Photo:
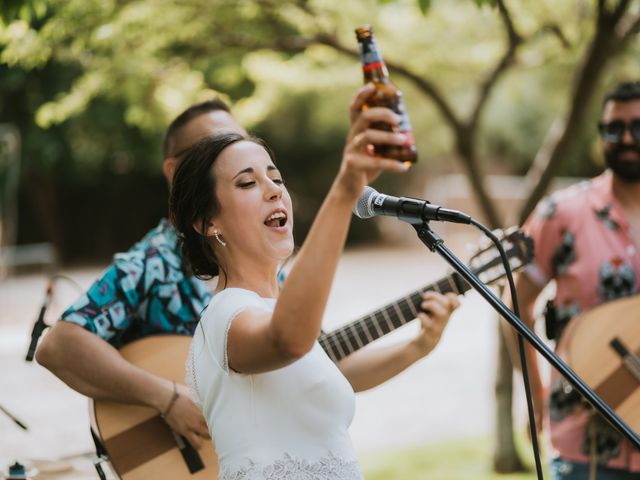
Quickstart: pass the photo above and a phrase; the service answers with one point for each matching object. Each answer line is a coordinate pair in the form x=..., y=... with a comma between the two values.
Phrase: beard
x=626, y=170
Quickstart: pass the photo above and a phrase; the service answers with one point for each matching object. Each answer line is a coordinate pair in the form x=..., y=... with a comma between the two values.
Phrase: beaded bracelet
x=172, y=402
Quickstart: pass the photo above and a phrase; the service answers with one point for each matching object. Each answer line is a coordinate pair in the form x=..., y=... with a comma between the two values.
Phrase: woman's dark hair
x=193, y=199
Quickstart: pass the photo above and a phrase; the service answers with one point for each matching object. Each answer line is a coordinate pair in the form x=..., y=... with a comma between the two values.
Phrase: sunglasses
x=613, y=132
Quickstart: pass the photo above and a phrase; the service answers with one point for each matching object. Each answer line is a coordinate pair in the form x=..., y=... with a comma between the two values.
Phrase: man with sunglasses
x=587, y=239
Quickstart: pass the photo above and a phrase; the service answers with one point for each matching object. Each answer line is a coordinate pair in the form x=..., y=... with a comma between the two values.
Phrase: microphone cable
x=523, y=360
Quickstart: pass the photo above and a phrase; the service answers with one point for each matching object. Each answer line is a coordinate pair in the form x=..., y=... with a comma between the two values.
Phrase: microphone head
x=364, y=205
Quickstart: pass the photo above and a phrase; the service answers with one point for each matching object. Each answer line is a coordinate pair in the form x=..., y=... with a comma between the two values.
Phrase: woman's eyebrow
x=246, y=170
x=251, y=170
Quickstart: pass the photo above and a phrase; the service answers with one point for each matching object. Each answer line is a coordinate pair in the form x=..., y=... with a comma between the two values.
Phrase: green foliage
x=424, y=5
x=91, y=84
x=25, y=10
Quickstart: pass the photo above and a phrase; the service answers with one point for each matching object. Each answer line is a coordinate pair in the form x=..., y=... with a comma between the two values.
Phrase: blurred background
x=503, y=95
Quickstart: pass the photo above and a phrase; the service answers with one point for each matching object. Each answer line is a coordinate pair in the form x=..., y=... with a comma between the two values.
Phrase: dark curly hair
x=623, y=92
x=193, y=199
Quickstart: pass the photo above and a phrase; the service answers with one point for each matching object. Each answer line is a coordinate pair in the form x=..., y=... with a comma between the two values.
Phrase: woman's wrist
x=344, y=192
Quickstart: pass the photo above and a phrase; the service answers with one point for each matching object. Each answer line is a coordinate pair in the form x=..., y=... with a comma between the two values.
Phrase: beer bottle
x=386, y=95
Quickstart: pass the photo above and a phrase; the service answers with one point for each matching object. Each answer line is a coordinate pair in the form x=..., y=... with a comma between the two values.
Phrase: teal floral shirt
x=145, y=291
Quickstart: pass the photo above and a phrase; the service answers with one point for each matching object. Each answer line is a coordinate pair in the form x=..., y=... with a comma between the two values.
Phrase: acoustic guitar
x=603, y=347
x=141, y=446
x=139, y=443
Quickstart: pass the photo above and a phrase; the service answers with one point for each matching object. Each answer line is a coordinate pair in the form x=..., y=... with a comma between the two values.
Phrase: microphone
x=39, y=326
x=410, y=210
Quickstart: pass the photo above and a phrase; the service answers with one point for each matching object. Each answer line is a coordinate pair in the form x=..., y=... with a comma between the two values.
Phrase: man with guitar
x=148, y=290
x=587, y=239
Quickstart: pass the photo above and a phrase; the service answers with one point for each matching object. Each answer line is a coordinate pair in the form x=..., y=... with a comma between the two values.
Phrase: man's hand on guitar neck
x=184, y=416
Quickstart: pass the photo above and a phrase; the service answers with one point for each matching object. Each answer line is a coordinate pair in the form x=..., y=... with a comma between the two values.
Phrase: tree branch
x=555, y=29
x=602, y=11
x=514, y=40
x=631, y=32
x=514, y=37
x=619, y=11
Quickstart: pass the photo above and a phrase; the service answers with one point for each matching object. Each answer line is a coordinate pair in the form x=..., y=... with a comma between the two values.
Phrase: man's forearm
x=94, y=368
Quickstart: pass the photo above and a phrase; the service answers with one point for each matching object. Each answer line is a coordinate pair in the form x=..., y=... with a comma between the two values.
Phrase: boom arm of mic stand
x=436, y=244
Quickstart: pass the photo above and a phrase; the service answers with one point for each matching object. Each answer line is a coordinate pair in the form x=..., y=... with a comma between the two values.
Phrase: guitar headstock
x=486, y=262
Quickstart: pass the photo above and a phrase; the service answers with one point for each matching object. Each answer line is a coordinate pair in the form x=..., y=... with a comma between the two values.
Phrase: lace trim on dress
x=330, y=467
x=190, y=376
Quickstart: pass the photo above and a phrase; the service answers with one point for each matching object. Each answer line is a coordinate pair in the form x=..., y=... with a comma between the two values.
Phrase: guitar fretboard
x=347, y=339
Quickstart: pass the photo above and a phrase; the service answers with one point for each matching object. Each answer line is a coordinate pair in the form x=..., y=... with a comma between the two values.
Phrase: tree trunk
x=564, y=137
x=505, y=454
x=475, y=176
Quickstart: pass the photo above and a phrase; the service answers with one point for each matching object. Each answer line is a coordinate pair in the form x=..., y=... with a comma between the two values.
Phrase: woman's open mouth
x=277, y=219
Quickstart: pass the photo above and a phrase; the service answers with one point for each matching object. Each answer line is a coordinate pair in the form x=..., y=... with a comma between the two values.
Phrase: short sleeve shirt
x=582, y=240
x=146, y=290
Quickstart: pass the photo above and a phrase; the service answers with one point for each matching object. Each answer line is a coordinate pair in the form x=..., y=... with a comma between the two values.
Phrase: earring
x=216, y=234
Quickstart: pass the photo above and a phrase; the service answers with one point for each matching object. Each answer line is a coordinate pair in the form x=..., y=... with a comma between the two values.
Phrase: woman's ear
x=206, y=229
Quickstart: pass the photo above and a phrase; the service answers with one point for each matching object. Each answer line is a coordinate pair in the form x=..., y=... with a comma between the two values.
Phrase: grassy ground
x=456, y=460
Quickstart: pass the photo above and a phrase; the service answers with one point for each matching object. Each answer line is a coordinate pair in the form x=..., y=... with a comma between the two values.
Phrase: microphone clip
x=39, y=326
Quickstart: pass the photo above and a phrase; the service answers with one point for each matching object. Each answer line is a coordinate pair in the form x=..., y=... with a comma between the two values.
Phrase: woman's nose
x=274, y=191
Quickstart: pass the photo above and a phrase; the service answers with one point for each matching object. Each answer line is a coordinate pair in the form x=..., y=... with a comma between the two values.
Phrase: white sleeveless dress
x=289, y=423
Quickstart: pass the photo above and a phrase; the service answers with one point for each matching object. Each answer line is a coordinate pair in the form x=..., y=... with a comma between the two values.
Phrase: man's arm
x=93, y=367
x=96, y=369
x=77, y=351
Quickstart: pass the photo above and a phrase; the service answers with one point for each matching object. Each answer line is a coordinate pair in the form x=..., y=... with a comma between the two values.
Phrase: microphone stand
x=14, y=419
x=436, y=244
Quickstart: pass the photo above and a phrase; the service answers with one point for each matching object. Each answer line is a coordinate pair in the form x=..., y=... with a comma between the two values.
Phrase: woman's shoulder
x=230, y=301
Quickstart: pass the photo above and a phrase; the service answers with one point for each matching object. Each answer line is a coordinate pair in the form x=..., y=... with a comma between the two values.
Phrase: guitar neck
x=353, y=336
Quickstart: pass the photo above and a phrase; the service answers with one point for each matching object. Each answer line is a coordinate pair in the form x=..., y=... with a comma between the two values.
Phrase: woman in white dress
x=277, y=407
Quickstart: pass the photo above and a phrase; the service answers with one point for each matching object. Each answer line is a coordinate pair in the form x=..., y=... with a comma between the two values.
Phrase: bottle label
x=404, y=126
x=370, y=55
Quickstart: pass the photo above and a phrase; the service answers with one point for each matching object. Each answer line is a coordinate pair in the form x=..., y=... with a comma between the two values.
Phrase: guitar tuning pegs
x=484, y=242
x=498, y=232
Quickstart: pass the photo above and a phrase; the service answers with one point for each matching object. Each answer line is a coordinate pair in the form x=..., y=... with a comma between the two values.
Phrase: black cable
x=40, y=325
x=523, y=360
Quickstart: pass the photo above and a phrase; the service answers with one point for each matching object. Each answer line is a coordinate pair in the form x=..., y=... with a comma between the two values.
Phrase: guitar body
x=138, y=441
x=586, y=347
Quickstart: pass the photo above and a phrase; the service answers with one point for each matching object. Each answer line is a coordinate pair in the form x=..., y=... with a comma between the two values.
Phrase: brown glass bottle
x=386, y=95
